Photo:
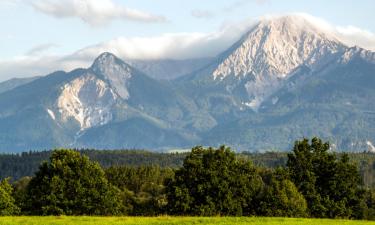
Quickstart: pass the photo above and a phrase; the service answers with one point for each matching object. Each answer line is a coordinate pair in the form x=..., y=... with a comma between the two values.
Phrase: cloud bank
x=93, y=12
x=39, y=49
x=165, y=46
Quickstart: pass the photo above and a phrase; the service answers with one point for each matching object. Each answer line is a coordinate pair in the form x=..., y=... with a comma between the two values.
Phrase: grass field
x=82, y=220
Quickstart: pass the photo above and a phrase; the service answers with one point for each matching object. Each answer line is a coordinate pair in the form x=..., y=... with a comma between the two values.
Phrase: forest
x=309, y=181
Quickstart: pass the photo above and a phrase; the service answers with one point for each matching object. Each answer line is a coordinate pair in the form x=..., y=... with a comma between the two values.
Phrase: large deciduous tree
x=214, y=182
x=331, y=185
x=71, y=184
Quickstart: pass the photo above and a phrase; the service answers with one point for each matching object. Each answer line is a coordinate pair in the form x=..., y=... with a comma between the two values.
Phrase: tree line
x=313, y=182
x=24, y=164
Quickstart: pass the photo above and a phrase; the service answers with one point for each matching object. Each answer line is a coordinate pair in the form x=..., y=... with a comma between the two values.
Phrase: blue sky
x=39, y=36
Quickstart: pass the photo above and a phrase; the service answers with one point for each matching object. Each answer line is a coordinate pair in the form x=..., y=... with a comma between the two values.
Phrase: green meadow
x=83, y=220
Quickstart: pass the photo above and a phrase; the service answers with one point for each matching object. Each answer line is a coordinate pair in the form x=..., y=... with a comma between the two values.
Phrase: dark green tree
x=331, y=186
x=369, y=211
x=214, y=182
x=7, y=202
x=280, y=196
x=143, y=188
x=19, y=193
x=71, y=184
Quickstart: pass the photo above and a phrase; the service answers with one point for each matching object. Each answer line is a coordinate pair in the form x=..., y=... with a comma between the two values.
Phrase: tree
x=281, y=197
x=20, y=188
x=369, y=211
x=71, y=184
x=213, y=182
x=7, y=202
x=143, y=188
x=331, y=186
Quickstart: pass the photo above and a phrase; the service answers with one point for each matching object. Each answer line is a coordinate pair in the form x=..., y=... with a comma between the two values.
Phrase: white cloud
x=39, y=49
x=93, y=12
x=172, y=45
x=349, y=35
x=352, y=35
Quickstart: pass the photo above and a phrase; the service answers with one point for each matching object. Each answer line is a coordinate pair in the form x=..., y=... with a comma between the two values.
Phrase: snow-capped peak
x=277, y=46
x=271, y=50
x=115, y=71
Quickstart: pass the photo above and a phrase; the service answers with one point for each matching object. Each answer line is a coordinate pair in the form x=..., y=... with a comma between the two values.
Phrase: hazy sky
x=40, y=36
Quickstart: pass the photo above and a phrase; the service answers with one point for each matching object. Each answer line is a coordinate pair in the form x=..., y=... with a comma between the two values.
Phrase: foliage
x=143, y=187
x=309, y=181
x=20, y=191
x=330, y=185
x=7, y=202
x=27, y=163
x=213, y=182
x=17, y=166
x=70, y=184
x=281, y=197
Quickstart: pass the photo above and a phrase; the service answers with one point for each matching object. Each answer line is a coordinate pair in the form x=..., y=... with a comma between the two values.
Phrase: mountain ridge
x=283, y=80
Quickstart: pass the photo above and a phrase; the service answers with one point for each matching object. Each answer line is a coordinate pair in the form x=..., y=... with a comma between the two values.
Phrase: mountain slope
x=260, y=62
x=15, y=82
x=59, y=109
x=284, y=79
x=168, y=69
x=332, y=103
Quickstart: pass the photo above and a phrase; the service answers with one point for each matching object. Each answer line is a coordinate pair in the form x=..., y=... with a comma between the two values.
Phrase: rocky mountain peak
x=115, y=71
x=268, y=54
x=104, y=59
x=276, y=46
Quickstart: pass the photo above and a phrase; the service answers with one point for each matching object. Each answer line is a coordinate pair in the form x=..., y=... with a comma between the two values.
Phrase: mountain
x=283, y=80
x=15, y=82
x=65, y=109
x=259, y=63
x=333, y=103
x=169, y=69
